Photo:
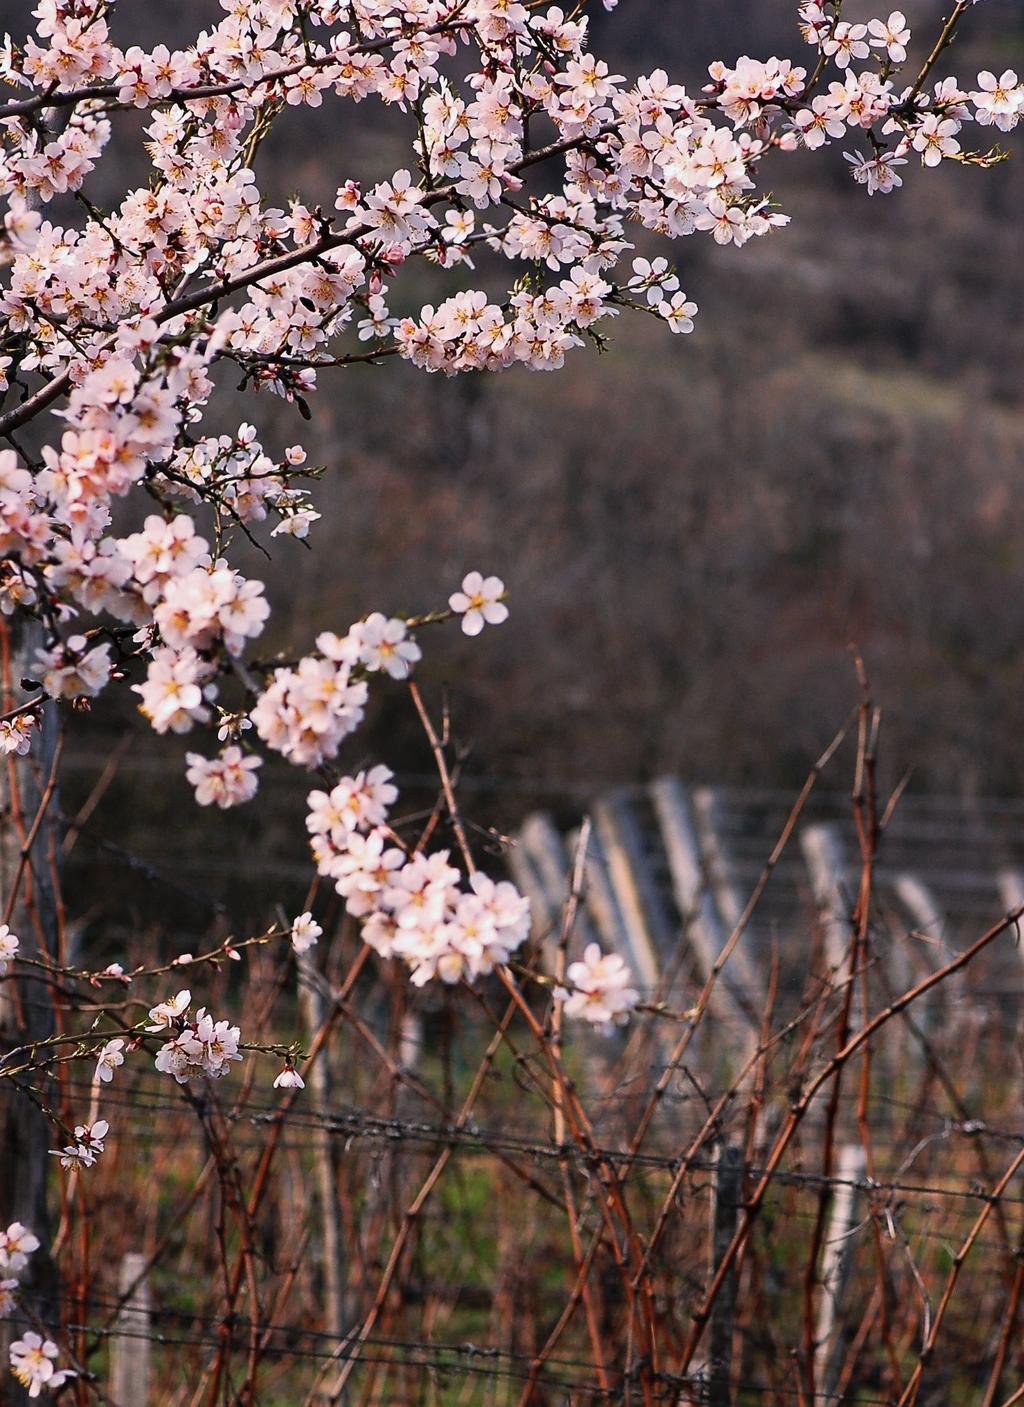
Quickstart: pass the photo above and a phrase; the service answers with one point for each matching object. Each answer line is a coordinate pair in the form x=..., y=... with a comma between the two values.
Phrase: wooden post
x=919, y=901
x=129, y=1343
x=313, y=1006
x=1011, y=894
x=545, y=908
x=602, y=905
x=26, y=1008
x=704, y=929
x=541, y=841
x=836, y=1269
x=706, y=808
x=823, y=851
x=541, y=863
x=410, y=1045
x=725, y=1209
x=927, y=917
x=647, y=930
x=1011, y=888
x=553, y=861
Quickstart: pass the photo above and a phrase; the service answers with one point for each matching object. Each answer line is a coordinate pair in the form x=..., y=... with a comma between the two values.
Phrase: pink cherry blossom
x=479, y=602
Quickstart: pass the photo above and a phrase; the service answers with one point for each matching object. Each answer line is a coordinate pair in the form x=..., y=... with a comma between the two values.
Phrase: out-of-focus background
x=695, y=530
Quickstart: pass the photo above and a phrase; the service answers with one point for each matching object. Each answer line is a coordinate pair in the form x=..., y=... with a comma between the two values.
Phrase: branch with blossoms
x=411, y=904
x=124, y=345
x=120, y=524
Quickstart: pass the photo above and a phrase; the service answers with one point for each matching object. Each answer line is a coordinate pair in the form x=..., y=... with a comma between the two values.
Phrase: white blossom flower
x=999, y=101
x=32, y=1363
x=9, y=945
x=74, y=1156
x=167, y=1013
x=295, y=522
x=289, y=1078
x=846, y=43
x=935, y=139
x=226, y=780
x=892, y=35
x=16, y=1245
x=678, y=312
x=108, y=1060
x=16, y=734
x=479, y=602
x=599, y=989
x=232, y=725
x=814, y=23
x=878, y=173
x=385, y=644
x=91, y=1136
x=305, y=931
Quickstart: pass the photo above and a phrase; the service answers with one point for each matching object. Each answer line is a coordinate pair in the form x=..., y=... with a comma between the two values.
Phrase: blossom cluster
x=911, y=118
x=307, y=711
x=33, y=1359
x=598, y=988
x=122, y=320
x=119, y=323
x=644, y=150
x=415, y=907
x=199, y=1047
x=421, y=909
x=87, y=1143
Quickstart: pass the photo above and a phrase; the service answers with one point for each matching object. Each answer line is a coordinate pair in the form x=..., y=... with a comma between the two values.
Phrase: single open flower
x=479, y=602
x=289, y=1078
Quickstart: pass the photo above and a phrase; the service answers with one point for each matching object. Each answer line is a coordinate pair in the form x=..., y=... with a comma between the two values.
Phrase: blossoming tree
x=529, y=161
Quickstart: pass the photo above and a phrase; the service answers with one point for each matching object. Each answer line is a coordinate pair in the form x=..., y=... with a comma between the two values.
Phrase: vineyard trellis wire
x=930, y=1180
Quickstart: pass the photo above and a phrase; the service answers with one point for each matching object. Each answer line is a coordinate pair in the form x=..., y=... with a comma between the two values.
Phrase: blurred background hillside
x=696, y=530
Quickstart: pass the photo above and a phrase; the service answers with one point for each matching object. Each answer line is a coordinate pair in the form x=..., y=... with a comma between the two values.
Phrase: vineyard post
x=314, y=1014
x=28, y=903
x=725, y=1206
x=129, y=1344
x=836, y=1269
